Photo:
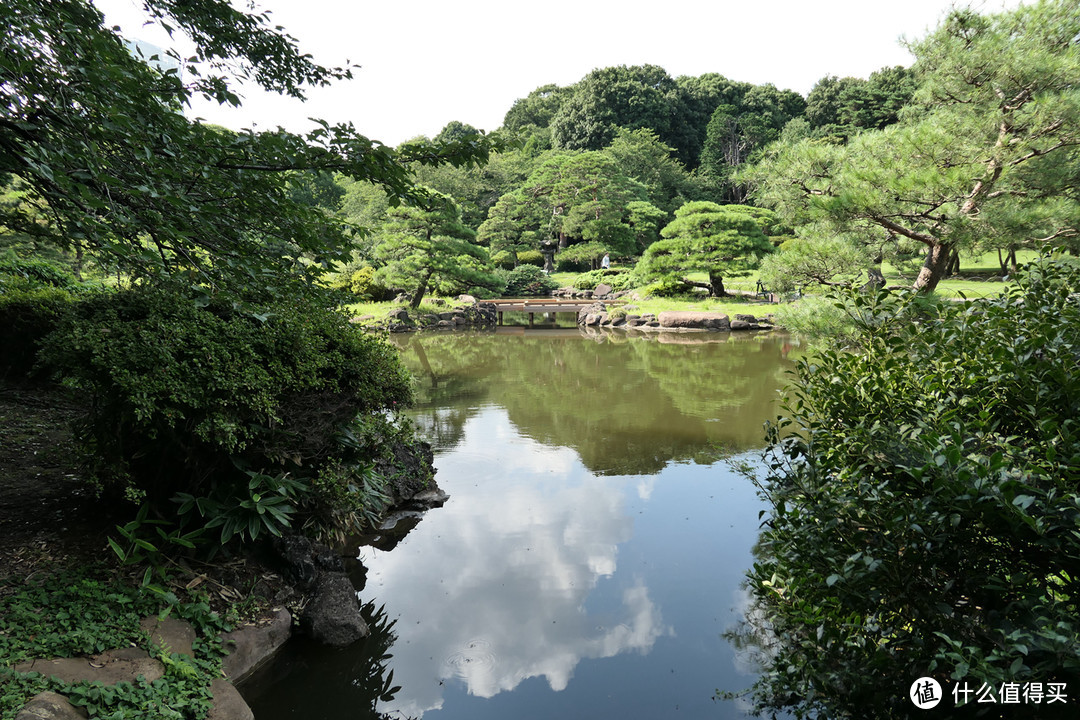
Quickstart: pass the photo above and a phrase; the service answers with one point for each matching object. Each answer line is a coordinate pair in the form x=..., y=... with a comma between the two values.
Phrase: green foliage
x=111, y=166
x=429, y=246
x=27, y=316
x=925, y=512
x=802, y=262
x=184, y=384
x=975, y=161
x=68, y=614
x=706, y=237
x=618, y=279
x=363, y=284
x=266, y=506
x=817, y=317
x=35, y=272
x=88, y=616
x=527, y=281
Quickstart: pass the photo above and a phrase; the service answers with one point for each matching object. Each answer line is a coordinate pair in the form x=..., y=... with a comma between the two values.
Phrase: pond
x=591, y=554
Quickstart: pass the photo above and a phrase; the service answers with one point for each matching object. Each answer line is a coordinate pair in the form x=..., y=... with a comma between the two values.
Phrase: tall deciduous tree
x=96, y=136
x=705, y=237
x=992, y=142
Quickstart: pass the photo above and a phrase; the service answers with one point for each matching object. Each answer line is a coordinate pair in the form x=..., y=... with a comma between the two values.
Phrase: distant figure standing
x=605, y=263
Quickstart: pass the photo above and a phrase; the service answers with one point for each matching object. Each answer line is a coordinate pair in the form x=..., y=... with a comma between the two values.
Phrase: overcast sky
x=427, y=62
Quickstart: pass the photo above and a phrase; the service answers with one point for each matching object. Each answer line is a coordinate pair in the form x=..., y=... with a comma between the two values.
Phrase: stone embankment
x=467, y=313
x=599, y=315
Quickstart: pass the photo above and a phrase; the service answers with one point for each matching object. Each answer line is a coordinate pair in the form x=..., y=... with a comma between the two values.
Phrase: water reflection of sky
x=582, y=594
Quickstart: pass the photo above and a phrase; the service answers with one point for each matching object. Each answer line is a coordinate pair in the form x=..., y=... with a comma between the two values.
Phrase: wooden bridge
x=540, y=305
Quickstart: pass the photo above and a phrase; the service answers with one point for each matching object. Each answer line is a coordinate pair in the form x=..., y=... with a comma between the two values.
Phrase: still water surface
x=591, y=554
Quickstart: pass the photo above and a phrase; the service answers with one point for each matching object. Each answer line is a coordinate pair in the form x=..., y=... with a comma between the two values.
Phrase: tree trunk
x=563, y=242
x=716, y=285
x=937, y=259
x=953, y=268
x=1012, y=261
x=421, y=288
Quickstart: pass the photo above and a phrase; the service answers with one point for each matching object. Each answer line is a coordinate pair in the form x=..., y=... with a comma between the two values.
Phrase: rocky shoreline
x=609, y=311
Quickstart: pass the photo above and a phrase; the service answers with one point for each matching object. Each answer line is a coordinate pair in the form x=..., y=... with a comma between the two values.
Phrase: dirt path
x=47, y=512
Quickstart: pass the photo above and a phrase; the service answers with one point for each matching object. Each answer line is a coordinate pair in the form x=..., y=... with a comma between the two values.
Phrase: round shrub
x=527, y=281
x=531, y=257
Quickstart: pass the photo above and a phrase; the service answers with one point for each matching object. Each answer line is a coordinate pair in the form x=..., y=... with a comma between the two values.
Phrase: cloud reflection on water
x=494, y=590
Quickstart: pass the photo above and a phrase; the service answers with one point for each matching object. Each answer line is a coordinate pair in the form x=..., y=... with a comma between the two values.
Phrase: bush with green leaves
x=36, y=272
x=925, y=495
x=618, y=279
x=527, y=281
x=197, y=395
x=27, y=315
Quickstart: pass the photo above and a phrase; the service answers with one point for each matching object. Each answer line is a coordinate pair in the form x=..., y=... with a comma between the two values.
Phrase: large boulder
x=250, y=645
x=333, y=615
x=601, y=290
x=690, y=320
x=50, y=706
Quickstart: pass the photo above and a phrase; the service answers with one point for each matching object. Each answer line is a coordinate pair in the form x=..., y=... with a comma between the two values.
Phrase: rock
x=333, y=615
x=673, y=319
x=742, y=325
x=466, y=299
x=430, y=498
x=399, y=314
x=592, y=319
x=228, y=704
x=250, y=645
x=601, y=290
x=50, y=706
x=746, y=318
x=302, y=559
x=108, y=668
x=174, y=635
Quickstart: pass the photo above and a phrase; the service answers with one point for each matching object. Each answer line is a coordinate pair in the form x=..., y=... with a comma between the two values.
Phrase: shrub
x=925, y=504
x=35, y=271
x=528, y=280
x=192, y=394
x=618, y=279
x=27, y=316
x=502, y=260
x=531, y=257
x=362, y=284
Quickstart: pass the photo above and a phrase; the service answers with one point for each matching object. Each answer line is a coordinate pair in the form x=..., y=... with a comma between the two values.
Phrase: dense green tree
x=456, y=131
x=698, y=99
x=640, y=96
x=426, y=246
x=710, y=238
x=736, y=134
x=95, y=135
x=990, y=144
x=642, y=156
x=876, y=103
x=825, y=102
x=568, y=198
x=536, y=109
